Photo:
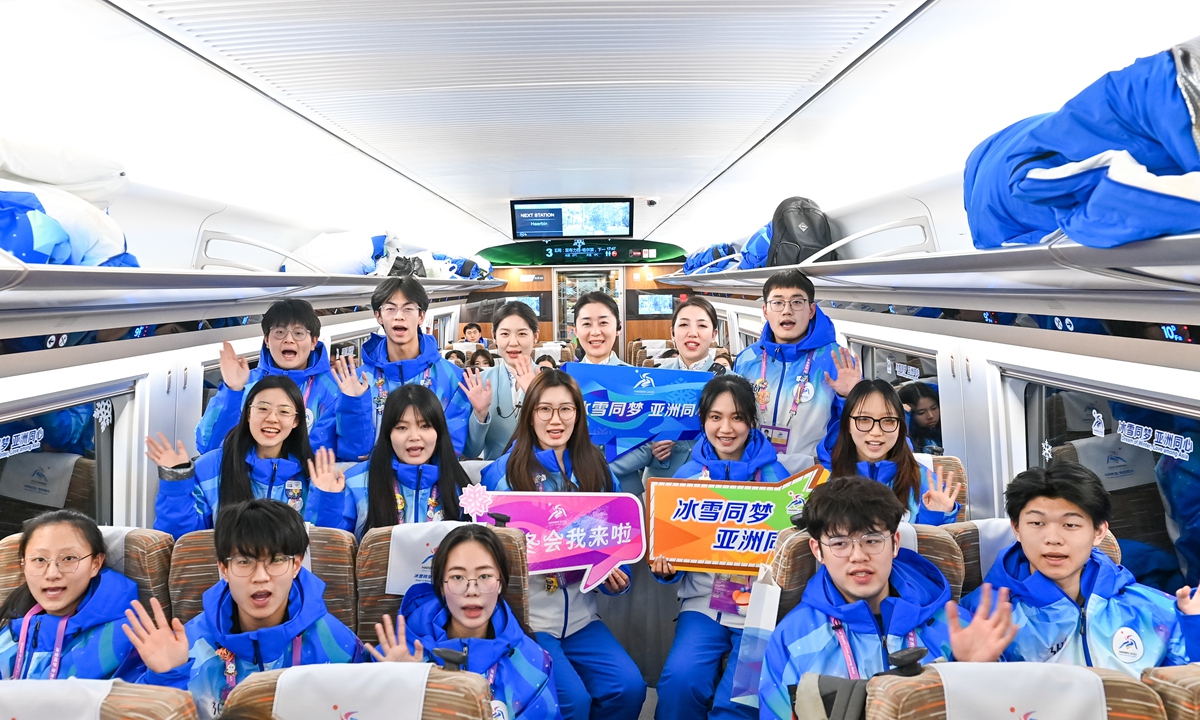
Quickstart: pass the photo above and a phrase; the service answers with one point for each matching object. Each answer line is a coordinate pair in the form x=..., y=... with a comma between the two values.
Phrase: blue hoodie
x=94, y=646
x=1122, y=625
x=361, y=415
x=320, y=391
x=188, y=495
x=814, y=427
x=885, y=472
x=323, y=639
x=804, y=641
x=523, y=680
x=416, y=484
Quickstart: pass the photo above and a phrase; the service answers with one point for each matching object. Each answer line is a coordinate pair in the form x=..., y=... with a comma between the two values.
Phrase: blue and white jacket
x=885, y=472
x=188, y=495
x=488, y=440
x=568, y=609
x=323, y=639
x=517, y=667
x=805, y=641
x=362, y=414
x=1121, y=626
x=814, y=427
x=415, y=483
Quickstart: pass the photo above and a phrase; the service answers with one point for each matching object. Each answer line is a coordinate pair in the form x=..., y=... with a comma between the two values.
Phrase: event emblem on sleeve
x=593, y=532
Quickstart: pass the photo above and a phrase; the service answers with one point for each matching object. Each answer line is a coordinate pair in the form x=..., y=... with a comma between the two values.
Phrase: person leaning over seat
x=496, y=393
x=868, y=591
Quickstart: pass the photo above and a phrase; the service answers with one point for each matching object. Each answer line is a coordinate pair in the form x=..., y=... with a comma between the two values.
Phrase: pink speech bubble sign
x=593, y=532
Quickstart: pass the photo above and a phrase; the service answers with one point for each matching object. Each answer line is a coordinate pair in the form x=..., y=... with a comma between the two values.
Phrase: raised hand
x=616, y=581
x=986, y=638
x=941, y=496
x=478, y=392
x=1187, y=601
x=161, y=454
x=349, y=381
x=661, y=449
x=162, y=646
x=525, y=371
x=662, y=568
x=848, y=371
x=235, y=371
x=391, y=642
x=324, y=472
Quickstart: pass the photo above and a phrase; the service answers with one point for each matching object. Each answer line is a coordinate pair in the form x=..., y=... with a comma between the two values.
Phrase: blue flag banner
x=630, y=406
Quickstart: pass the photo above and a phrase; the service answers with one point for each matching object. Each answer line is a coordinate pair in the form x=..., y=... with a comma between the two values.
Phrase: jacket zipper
x=417, y=495
x=566, y=611
x=883, y=647
x=37, y=630
x=271, y=483
x=779, y=393
x=258, y=656
x=1087, y=655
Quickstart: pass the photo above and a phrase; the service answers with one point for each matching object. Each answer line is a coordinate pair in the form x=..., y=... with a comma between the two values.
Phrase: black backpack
x=798, y=229
x=405, y=266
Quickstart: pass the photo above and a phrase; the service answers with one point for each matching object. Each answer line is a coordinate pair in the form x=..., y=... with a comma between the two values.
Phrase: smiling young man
x=402, y=355
x=1076, y=606
x=868, y=598
x=800, y=374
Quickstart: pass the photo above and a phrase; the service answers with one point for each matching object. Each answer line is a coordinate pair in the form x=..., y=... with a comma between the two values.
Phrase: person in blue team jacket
x=872, y=442
x=264, y=456
x=466, y=611
x=798, y=371
x=290, y=348
x=66, y=587
x=552, y=452
x=709, y=628
x=1074, y=605
x=266, y=613
x=402, y=355
x=413, y=475
x=869, y=591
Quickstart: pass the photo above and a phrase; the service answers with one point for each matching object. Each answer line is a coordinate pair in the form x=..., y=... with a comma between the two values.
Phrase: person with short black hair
x=545, y=361
x=267, y=612
x=458, y=357
x=1075, y=605
x=869, y=598
x=482, y=359
x=924, y=409
x=473, y=333
x=799, y=372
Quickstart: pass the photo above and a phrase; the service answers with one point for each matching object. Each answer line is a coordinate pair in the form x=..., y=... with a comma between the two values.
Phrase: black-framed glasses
x=866, y=423
x=872, y=544
x=65, y=564
x=276, y=565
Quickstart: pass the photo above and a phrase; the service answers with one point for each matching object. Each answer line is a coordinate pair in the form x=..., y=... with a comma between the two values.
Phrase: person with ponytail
x=413, y=475
x=61, y=622
x=263, y=456
x=872, y=442
x=552, y=452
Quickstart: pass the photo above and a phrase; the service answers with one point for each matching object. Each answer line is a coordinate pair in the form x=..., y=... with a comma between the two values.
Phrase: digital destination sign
x=572, y=218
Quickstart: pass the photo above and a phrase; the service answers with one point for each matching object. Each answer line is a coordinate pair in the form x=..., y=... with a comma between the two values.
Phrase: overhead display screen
x=577, y=218
x=583, y=252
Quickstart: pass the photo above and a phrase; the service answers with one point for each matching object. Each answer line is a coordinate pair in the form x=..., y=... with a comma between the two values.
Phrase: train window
x=58, y=458
x=1144, y=457
x=914, y=375
x=212, y=378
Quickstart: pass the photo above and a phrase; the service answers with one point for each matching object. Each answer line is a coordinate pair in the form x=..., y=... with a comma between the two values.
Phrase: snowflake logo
x=103, y=414
x=1047, y=451
x=475, y=501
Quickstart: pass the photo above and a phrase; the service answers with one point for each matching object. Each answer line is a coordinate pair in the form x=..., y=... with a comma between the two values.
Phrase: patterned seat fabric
x=374, y=603
x=795, y=564
x=457, y=695
x=966, y=536
x=1178, y=687
x=332, y=556
x=147, y=563
x=81, y=496
x=890, y=697
x=147, y=702
x=948, y=463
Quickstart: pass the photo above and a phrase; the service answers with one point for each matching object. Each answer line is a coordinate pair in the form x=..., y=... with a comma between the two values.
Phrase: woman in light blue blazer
x=496, y=393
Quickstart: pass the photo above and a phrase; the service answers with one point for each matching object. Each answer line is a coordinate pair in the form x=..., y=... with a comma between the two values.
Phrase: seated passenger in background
x=401, y=356
x=723, y=358
x=266, y=613
x=709, y=627
x=482, y=359
x=552, y=452
x=1074, y=605
x=61, y=621
x=866, y=590
x=466, y=611
x=263, y=456
x=413, y=475
x=457, y=357
x=921, y=402
x=472, y=333
x=545, y=361
x=290, y=349
x=872, y=442
x=799, y=372
x=497, y=393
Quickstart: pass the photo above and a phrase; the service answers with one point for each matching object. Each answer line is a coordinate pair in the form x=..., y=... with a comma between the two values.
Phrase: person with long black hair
x=413, y=475
x=263, y=456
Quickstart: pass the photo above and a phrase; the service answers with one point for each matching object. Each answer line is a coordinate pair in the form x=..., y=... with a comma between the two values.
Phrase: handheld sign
x=728, y=527
x=593, y=532
x=629, y=406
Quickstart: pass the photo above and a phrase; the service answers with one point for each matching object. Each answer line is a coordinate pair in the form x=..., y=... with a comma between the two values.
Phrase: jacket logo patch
x=1127, y=645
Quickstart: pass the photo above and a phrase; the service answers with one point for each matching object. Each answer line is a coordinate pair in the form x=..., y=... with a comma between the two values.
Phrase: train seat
x=1178, y=687
x=943, y=464
x=331, y=555
x=114, y=700
x=81, y=496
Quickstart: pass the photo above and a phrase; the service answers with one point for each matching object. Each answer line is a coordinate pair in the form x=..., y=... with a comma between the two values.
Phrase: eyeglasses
x=65, y=564
x=407, y=311
x=779, y=305
x=285, y=412
x=866, y=423
x=244, y=567
x=566, y=413
x=872, y=544
x=298, y=334
x=485, y=584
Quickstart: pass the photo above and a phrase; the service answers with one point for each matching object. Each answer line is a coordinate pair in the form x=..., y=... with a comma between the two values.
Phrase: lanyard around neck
x=55, y=659
x=764, y=395
x=852, y=667
x=231, y=672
